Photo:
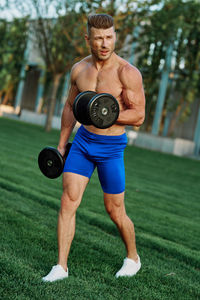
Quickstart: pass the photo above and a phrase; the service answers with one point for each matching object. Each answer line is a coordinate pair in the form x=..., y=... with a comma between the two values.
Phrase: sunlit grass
x=162, y=198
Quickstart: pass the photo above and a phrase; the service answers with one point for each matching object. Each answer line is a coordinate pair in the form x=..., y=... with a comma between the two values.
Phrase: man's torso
x=105, y=80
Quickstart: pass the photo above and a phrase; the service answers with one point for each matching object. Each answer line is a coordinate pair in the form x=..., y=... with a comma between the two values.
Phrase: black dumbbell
x=100, y=110
x=51, y=162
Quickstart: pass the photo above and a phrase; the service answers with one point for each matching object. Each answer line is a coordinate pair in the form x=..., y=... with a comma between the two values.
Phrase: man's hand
x=62, y=150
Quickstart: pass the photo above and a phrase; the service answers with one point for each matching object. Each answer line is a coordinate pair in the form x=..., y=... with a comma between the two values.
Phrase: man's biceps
x=140, y=97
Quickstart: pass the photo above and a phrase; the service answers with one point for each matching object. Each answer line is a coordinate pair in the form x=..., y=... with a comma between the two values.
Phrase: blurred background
x=41, y=40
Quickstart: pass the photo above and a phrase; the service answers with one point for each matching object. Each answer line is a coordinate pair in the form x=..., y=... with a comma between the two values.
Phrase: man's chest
x=106, y=81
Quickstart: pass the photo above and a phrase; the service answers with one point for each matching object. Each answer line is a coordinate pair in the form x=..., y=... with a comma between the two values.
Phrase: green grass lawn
x=162, y=199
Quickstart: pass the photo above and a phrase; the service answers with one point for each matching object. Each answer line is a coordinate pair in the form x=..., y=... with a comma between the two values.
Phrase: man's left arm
x=133, y=97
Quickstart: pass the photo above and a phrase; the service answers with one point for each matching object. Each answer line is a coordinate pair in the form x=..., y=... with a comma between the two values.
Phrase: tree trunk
x=175, y=117
x=6, y=98
x=52, y=104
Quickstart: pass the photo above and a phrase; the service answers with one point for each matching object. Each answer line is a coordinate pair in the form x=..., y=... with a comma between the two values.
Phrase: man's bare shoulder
x=79, y=67
x=129, y=74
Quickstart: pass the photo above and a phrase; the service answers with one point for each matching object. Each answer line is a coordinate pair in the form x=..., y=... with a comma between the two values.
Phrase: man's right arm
x=68, y=120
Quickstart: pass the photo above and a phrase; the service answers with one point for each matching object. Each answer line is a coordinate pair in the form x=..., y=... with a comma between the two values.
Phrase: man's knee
x=69, y=201
x=116, y=211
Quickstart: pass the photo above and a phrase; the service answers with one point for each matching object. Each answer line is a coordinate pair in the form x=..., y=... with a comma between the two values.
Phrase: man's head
x=101, y=35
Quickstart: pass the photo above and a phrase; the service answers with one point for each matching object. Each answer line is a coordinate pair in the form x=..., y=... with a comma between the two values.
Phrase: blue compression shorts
x=91, y=150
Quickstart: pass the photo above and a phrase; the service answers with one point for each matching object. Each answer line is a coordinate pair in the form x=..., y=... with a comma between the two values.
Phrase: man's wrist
x=61, y=145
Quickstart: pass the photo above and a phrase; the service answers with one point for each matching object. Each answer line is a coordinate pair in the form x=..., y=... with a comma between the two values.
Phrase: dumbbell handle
x=68, y=147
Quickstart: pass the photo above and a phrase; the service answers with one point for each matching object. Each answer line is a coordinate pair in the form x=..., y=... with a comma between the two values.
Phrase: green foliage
x=13, y=41
x=177, y=22
x=59, y=42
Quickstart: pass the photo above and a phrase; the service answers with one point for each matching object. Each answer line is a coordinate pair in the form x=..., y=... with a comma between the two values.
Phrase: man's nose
x=104, y=43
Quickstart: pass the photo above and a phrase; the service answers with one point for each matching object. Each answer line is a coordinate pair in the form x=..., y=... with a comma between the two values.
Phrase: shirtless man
x=103, y=72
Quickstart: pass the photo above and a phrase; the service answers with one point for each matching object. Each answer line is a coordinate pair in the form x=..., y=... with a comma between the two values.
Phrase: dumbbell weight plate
x=50, y=162
x=103, y=110
x=80, y=107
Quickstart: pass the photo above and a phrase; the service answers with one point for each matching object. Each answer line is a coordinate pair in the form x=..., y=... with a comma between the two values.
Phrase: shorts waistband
x=102, y=138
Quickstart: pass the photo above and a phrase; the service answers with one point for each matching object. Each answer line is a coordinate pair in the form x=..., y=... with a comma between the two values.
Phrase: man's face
x=101, y=42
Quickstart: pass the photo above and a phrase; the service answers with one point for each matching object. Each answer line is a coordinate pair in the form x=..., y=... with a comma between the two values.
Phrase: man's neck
x=99, y=64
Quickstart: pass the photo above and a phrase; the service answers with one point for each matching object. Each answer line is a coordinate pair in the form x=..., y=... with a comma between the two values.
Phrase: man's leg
x=115, y=207
x=73, y=188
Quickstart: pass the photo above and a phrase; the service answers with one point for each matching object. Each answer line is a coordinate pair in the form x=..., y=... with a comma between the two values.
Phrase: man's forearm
x=65, y=135
x=131, y=117
x=67, y=125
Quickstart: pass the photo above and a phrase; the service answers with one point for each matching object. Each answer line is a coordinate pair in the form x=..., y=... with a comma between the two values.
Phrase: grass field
x=162, y=199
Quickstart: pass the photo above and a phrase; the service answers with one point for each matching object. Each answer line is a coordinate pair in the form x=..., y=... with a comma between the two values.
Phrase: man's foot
x=56, y=273
x=129, y=268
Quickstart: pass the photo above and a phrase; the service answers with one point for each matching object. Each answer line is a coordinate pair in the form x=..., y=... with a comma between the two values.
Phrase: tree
x=170, y=21
x=13, y=40
x=56, y=39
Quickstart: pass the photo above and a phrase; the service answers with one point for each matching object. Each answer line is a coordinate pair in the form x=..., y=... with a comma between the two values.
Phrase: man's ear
x=87, y=39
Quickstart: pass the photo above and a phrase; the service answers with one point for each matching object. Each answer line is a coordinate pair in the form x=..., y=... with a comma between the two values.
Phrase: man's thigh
x=74, y=186
x=111, y=174
x=78, y=162
x=114, y=204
